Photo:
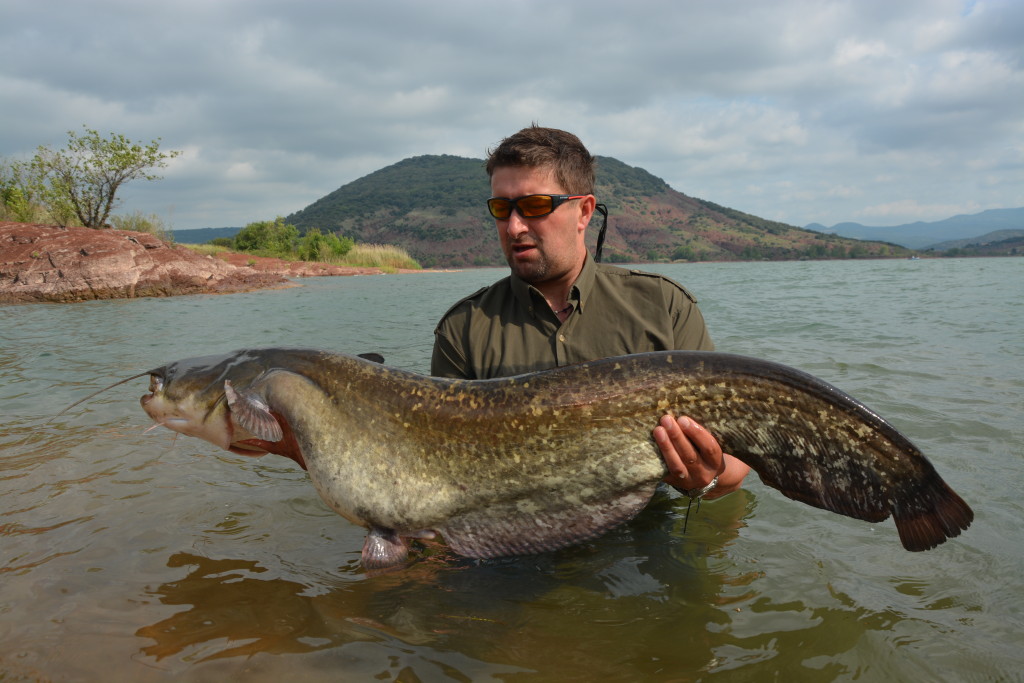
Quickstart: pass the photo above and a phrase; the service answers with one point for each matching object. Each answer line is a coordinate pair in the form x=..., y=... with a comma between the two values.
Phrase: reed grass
x=387, y=257
x=206, y=249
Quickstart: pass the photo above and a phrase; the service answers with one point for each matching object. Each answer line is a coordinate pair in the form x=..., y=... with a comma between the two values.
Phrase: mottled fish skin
x=543, y=460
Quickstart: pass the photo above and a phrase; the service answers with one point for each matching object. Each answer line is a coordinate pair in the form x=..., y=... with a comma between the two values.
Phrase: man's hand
x=694, y=457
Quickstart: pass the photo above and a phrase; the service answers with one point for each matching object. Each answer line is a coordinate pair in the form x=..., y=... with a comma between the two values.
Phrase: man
x=559, y=307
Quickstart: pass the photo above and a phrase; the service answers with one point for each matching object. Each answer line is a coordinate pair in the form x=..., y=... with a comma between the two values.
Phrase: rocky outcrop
x=49, y=263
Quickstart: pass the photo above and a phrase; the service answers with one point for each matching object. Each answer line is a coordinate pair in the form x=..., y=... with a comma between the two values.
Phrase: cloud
x=791, y=110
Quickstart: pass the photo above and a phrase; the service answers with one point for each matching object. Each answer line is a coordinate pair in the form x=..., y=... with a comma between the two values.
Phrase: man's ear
x=586, y=206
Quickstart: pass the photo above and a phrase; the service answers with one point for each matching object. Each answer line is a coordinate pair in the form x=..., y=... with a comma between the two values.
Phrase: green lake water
x=127, y=554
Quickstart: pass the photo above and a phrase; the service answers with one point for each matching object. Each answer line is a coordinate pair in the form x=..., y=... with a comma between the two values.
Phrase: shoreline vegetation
x=42, y=263
x=277, y=239
x=384, y=257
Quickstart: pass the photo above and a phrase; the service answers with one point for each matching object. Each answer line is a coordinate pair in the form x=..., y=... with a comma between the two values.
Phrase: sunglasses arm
x=603, y=210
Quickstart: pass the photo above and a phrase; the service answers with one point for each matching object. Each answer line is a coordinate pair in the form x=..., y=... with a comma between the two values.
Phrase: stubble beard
x=533, y=273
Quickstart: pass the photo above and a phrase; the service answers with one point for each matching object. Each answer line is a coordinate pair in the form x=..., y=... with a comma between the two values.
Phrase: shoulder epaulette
x=664, y=278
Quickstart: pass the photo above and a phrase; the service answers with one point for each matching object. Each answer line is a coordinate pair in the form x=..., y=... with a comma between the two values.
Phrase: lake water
x=128, y=555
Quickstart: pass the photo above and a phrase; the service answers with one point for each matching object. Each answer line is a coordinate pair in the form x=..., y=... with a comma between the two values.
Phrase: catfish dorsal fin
x=252, y=414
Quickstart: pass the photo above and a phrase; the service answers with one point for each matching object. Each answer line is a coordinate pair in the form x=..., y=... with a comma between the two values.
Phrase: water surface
x=128, y=555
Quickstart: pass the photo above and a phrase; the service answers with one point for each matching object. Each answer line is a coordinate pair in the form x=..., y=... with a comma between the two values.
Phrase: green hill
x=433, y=206
x=203, y=235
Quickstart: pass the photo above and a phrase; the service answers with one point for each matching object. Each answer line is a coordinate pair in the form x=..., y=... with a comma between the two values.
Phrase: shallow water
x=128, y=555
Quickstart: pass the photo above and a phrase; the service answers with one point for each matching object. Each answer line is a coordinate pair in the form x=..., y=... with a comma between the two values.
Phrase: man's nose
x=517, y=226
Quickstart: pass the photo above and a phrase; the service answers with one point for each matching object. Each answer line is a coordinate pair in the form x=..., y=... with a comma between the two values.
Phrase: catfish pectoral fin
x=252, y=414
x=383, y=548
x=523, y=527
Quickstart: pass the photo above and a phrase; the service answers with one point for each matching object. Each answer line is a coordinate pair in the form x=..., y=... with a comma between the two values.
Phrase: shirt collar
x=529, y=296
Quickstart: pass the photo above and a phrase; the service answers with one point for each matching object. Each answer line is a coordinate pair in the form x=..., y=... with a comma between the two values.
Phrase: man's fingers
x=694, y=457
x=668, y=452
x=700, y=437
x=704, y=443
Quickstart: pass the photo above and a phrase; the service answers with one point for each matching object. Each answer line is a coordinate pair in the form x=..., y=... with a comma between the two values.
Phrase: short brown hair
x=547, y=147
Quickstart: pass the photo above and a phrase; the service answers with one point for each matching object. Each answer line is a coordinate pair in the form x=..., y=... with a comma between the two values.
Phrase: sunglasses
x=528, y=206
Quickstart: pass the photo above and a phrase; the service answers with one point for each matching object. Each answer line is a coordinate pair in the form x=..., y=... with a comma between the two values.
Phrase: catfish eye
x=156, y=383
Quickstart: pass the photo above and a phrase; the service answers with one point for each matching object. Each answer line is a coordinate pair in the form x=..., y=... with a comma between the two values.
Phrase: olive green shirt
x=508, y=328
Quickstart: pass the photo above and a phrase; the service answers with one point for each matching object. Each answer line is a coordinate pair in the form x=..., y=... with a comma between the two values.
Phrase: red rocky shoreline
x=48, y=263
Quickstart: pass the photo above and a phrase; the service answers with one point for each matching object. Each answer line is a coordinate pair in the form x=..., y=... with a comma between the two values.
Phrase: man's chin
x=529, y=272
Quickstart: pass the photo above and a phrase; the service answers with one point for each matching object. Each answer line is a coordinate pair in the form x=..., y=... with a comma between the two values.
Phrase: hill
x=203, y=235
x=433, y=206
x=921, y=235
x=998, y=243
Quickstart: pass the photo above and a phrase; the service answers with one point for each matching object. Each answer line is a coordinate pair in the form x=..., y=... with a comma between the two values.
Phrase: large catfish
x=547, y=459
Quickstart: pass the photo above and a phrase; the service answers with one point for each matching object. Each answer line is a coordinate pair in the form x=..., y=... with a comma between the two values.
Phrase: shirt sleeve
x=691, y=333
x=448, y=358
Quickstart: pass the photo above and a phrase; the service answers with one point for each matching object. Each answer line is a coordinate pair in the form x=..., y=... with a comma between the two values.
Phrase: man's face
x=546, y=248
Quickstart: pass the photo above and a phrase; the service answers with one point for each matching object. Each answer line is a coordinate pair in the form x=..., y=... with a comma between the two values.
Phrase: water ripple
x=136, y=556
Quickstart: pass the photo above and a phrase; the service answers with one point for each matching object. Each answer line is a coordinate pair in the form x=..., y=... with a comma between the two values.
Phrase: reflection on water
x=644, y=580
x=231, y=611
x=128, y=555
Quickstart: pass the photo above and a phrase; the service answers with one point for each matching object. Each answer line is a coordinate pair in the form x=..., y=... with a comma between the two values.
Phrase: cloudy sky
x=875, y=111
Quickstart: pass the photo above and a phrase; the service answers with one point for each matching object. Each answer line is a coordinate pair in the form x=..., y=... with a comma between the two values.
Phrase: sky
x=880, y=112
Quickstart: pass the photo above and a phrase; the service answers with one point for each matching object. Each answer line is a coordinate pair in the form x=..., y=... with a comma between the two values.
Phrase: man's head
x=558, y=150
x=548, y=251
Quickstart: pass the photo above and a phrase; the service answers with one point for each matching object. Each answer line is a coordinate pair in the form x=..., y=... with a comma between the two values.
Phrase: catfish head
x=197, y=397
x=217, y=399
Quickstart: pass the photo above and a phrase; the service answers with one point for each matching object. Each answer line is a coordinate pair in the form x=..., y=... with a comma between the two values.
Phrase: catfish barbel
x=544, y=460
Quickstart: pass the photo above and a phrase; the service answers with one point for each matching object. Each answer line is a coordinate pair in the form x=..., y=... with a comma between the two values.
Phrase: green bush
x=683, y=253
x=268, y=238
x=316, y=246
x=19, y=193
x=139, y=222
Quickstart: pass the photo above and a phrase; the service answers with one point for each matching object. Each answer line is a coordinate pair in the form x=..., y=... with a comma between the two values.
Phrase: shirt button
x=561, y=338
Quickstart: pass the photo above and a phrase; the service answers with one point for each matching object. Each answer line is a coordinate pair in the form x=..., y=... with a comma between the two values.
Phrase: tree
x=82, y=180
x=316, y=246
x=683, y=252
x=313, y=246
x=270, y=237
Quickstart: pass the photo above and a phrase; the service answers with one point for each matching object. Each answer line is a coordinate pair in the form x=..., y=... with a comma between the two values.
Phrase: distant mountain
x=433, y=206
x=921, y=235
x=203, y=235
x=998, y=243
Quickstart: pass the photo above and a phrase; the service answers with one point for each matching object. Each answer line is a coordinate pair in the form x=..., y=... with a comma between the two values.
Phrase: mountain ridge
x=433, y=206
x=924, y=235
